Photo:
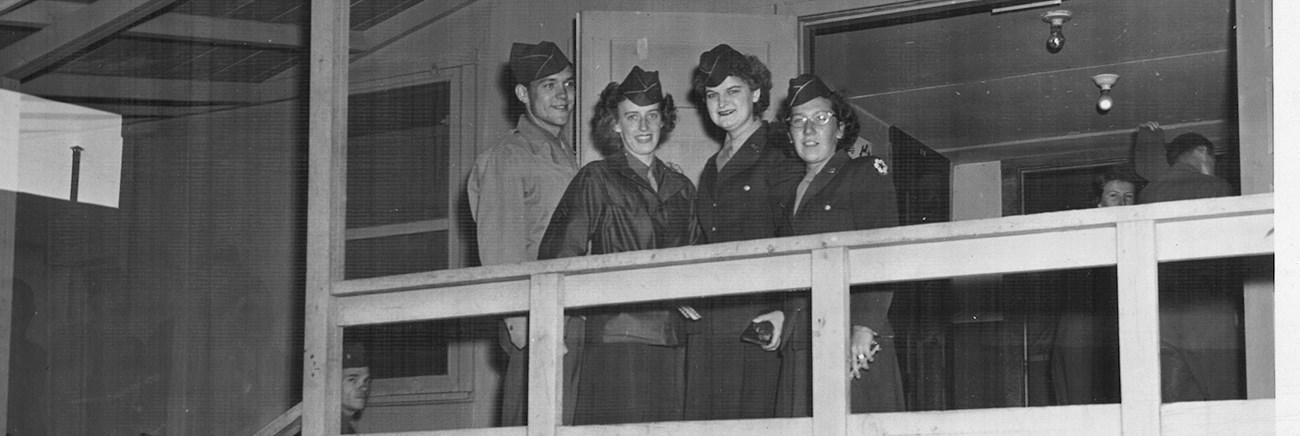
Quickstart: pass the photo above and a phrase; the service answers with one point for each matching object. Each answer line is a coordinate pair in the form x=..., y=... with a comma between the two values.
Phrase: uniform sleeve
x=496, y=199
x=875, y=206
x=571, y=226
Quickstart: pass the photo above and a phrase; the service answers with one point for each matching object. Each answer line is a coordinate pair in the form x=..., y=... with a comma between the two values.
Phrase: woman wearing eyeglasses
x=838, y=193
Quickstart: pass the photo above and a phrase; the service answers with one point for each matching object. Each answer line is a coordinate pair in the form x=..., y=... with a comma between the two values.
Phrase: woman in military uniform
x=632, y=361
x=739, y=189
x=837, y=193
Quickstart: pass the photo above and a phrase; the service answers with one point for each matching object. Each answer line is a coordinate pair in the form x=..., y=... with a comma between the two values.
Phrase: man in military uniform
x=513, y=190
x=356, y=386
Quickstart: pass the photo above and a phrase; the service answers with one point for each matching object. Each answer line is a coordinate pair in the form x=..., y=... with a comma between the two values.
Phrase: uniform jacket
x=848, y=194
x=610, y=208
x=739, y=204
x=1184, y=182
x=513, y=189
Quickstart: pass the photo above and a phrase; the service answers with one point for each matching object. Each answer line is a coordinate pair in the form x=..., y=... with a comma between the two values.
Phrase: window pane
x=401, y=254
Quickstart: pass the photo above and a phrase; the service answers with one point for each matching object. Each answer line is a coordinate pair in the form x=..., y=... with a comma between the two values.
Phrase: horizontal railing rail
x=1135, y=238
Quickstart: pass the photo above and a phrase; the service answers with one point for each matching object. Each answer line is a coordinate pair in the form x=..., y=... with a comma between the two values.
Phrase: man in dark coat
x=1201, y=344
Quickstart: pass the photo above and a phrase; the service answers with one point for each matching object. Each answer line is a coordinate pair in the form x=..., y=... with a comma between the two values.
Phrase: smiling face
x=356, y=389
x=1117, y=193
x=549, y=100
x=815, y=143
x=731, y=103
x=639, y=128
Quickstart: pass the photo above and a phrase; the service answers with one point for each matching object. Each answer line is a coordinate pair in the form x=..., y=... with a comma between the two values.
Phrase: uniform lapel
x=822, y=179
x=745, y=155
x=668, y=185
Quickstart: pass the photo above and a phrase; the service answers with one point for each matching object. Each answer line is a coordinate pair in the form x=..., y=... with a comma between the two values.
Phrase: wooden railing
x=1135, y=238
x=288, y=423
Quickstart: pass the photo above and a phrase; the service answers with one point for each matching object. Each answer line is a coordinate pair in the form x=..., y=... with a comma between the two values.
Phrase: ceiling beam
x=72, y=32
x=9, y=5
x=176, y=26
x=404, y=23
x=158, y=91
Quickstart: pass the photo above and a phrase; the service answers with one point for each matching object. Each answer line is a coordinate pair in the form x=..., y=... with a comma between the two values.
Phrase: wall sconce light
x=1056, y=39
x=1105, y=81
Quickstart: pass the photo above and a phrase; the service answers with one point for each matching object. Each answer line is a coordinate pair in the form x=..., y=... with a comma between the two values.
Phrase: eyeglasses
x=821, y=119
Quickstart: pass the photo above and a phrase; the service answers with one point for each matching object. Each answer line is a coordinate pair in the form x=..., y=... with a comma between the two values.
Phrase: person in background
x=513, y=189
x=633, y=361
x=739, y=188
x=1201, y=346
x=1085, y=352
x=356, y=386
x=837, y=193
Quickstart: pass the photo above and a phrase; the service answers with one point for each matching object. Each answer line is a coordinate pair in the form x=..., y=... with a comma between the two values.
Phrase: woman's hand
x=862, y=350
x=777, y=318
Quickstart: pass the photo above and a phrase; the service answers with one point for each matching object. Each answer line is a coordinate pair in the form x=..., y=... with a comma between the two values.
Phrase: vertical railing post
x=545, y=353
x=1139, y=327
x=830, y=340
x=327, y=150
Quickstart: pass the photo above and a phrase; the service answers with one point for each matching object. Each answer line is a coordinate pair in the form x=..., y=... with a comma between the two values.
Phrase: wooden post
x=830, y=341
x=10, y=110
x=327, y=143
x=1139, y=327
x=545, y=354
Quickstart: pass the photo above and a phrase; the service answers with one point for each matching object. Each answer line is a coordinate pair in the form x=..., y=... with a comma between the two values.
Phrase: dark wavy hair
x=606, y=115
x=1122, y=174
x=844, y=113
x=754, y=73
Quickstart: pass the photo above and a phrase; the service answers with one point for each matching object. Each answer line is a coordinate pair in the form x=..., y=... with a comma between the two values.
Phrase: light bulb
x=1056, y=40
x=1105, y=102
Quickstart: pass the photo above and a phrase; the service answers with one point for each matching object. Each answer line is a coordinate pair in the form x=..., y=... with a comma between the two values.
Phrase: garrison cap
x=642, y=87
x=807, y=87
x=720, y=62
x=529, y=62
x=354, y=355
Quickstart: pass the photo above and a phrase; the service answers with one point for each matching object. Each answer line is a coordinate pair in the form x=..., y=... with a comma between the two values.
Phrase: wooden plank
x=288, y=423
x=72, y=32
x=749, y=427
x=1238, y=417
x=1259, y=204
x=1089, y=420
x=56, y=85
x=830, y=335
x=1139, y=328
x=1258, y=321
x=458, y=302
x=1087, y=247
x=495, y=431
x=1254, y=59
x=172, y=26
x=327, y=180
x=1185, y=240
x=545, y=353
x=726, y=277
x=408, y=228
x=10, y=109
x=404, y=23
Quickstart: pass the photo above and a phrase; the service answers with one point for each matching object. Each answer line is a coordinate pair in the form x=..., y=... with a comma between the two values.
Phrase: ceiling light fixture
x=1105, y=81
x=1056, y=39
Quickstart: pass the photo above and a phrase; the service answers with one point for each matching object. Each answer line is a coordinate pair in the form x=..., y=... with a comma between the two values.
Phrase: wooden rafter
x=73, y=32
x=55, y=85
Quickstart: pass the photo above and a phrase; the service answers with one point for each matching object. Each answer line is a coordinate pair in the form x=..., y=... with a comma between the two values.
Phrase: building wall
x=181, y=311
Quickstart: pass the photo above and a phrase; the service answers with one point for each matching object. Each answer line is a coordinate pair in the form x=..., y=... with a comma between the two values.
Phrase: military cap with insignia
x=529, y=62
x=807, y=87
x=642, y=87
x=720, y=62
x=354, y=355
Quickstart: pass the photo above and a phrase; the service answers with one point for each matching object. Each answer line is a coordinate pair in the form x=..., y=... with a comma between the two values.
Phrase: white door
x=611, y=43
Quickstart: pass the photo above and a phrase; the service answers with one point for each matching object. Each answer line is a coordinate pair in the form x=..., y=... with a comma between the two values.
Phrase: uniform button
x=828, y=207
x=713, y=229
x=746, y=187
x=715, y=204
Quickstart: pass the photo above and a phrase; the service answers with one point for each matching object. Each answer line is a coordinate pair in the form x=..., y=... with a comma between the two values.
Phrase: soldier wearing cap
x=631, y=200
x=356, y=386
x=513, y=189
x=738, y=192
x=837, y=193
